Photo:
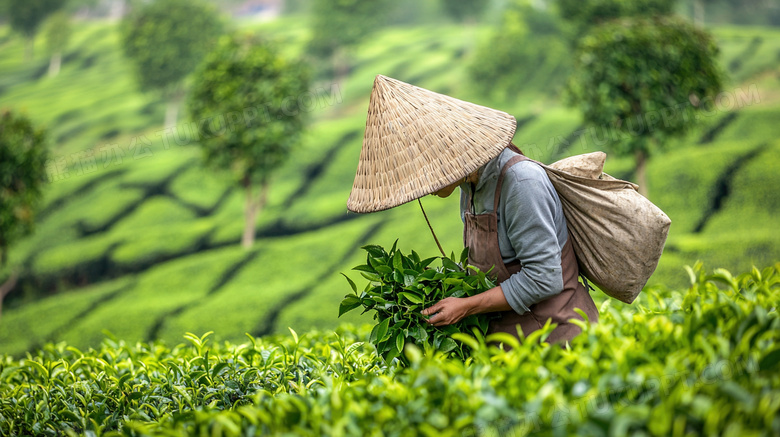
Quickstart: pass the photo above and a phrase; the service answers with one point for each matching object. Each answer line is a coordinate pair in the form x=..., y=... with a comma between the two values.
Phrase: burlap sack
x=618, y=235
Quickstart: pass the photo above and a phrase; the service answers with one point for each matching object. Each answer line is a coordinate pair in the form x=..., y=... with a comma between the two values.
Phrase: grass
x=165, y=230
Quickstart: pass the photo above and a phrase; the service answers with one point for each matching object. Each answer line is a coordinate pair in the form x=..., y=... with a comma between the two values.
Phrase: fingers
x=437, y=317
x=439, y=321
x=441, y=313
x=432, y=309
x=433, y=312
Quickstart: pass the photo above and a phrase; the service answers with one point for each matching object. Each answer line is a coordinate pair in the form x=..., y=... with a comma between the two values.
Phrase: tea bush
x=401, y=286
x=700, y=362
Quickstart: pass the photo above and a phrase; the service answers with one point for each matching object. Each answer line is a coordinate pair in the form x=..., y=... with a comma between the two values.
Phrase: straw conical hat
x=418, y=142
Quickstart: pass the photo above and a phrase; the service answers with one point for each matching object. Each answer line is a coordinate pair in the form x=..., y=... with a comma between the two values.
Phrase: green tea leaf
x=399, y=342
x=373, y=277
x=382, y=330
x=391, y=354
x=466, y=339
x=457, y=293
x=349, y=303
x=418, y=333
x=770, y=361
x=426, y=262
x=376, y=262
x=383, y=269
x=447, y=344
x=397, y=264
x=428, y=274
x=374, y=250
x=351, y=283
x=38, y=366
x=450, y=265
x=218, y=368
x=464, y=256
x=411, y=297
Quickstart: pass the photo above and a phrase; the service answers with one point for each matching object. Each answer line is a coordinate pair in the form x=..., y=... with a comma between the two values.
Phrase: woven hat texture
x=418, y=141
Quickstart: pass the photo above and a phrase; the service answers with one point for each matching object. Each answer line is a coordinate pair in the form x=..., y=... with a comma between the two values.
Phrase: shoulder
x=528, y=180
x=527, y=170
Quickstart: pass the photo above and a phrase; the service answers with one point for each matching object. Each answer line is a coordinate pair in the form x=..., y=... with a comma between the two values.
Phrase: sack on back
x=618, y=235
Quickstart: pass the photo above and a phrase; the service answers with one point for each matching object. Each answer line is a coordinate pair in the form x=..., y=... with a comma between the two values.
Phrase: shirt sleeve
x=529, y=211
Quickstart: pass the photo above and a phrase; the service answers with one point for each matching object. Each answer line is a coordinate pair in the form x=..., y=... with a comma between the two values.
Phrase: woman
x=418, y=142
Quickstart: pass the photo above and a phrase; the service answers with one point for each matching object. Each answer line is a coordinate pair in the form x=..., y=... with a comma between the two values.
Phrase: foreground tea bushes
x=701, y=362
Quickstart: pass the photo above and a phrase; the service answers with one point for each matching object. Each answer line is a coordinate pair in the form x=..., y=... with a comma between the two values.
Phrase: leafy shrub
x=699, y=362
x=401, y=286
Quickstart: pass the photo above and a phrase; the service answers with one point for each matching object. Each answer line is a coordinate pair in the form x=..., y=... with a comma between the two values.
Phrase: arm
x=532, y=232
x=454, y=309
x=531, y=229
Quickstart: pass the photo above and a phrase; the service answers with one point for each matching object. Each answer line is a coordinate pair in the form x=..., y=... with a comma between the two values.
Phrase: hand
x=448, y=311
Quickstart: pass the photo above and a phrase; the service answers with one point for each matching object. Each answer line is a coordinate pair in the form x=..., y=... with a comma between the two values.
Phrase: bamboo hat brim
x=418, y=142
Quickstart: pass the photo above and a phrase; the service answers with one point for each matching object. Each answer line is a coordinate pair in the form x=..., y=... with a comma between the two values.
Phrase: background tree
x=23, y=156
x=251, y=97
x=584, y=14
x=338, y=25
x=26, y=16
x=645, y=79
x=528, y=47
x=82, y=7
x=57, y=31
x=166, y=40
x=464, y=10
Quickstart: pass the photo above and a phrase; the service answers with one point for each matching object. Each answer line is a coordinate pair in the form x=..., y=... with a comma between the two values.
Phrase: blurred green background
x=135, y=235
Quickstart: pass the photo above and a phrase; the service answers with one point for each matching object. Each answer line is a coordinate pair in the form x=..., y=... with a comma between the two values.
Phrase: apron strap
x=514, y=160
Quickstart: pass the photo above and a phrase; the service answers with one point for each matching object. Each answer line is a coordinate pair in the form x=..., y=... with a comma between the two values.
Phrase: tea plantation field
x=136, y=238
x=701, y=361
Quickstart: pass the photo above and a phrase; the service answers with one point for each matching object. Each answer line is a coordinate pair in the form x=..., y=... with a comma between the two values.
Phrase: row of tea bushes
x=703, y=361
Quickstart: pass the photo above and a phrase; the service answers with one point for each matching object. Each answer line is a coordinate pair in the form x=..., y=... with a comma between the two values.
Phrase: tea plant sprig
x=401, y=286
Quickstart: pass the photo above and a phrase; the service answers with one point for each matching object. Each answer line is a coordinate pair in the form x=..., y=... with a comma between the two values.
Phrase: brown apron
x=480, y=235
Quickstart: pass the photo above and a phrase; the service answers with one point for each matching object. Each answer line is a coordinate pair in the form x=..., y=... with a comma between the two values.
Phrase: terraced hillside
x=137, y=239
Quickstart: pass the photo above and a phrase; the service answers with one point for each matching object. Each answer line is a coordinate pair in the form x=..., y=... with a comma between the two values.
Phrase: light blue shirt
x=531, y=227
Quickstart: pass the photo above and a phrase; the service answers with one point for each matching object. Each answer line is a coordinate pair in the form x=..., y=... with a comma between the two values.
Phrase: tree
x=25, y=16
x=527, y=52
x=250, y=105
x=167, y=39
x=644, y=79
x=23, y=155
x=337, y=25
x=464, y=10
x=584, y=14
x=57, y=33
